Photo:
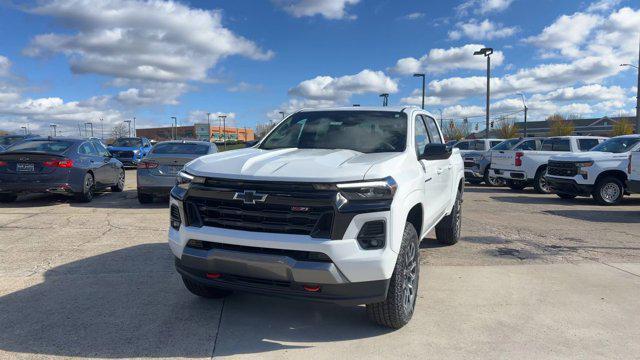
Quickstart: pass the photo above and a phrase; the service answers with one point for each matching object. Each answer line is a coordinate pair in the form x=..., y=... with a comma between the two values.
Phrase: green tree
x=559, y=125
x=622, y=127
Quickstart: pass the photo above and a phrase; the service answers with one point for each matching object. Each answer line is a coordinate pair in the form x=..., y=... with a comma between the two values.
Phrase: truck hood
x=588, y=156
x=291, y=164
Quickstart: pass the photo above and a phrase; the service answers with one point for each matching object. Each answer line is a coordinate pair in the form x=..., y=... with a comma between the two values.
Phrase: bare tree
x=622, y=127
x=454, y=131
x=120, y=130
x=263, y=129
x=559, y=125
x=507, y=128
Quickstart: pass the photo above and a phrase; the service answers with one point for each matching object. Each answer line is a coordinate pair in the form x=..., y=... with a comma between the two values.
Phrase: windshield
x=128, y=142
x=617, y=145
x=44, y=146
x=506, y=145
x=8, y=140
x=175, y=148
x=363, y=131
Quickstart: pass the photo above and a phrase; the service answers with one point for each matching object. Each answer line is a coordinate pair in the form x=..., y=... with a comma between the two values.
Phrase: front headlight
x=383, y=189
x=136, y=152
x=184, y=179
x=584, y=164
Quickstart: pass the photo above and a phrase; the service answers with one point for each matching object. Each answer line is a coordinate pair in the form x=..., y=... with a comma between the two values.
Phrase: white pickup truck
x=331, y=205
x=600, y=172
x=633, y=182
x=522, y=168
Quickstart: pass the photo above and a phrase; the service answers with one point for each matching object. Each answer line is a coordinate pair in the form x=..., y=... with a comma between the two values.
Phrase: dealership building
x=199, y=131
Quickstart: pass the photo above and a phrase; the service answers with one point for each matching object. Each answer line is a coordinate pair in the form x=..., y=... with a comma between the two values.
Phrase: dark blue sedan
x=68, y=166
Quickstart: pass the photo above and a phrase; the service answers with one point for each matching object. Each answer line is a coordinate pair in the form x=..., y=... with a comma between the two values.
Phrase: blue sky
x=71, y=61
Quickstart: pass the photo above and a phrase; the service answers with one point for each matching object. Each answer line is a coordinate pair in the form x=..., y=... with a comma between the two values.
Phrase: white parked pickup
x=600, y=172
x=522, y=168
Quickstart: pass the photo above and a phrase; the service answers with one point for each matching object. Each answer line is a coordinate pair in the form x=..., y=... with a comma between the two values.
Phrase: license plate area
x=25, y=167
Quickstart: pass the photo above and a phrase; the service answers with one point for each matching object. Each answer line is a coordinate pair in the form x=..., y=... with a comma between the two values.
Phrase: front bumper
x=473, y=173
x=568, y=186
x=277, y=275
x=633, y=186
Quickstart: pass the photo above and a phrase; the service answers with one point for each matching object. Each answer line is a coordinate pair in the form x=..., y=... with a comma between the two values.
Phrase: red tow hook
x=213, y=275
x=311, y=288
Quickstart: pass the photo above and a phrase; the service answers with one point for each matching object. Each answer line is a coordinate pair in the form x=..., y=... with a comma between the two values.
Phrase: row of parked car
x=569, y=166
x=79, y=167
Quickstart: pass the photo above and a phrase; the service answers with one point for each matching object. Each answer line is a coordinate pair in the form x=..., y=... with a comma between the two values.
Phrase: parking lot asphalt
x=533, y=276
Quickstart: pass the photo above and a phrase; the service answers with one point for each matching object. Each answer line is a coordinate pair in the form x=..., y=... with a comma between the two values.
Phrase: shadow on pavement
x=600, y=216
x=127, y=199
x=131, y=303
x=543, y=200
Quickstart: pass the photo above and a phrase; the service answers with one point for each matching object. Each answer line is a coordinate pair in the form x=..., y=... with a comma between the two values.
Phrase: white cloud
x=482, y=6
x=5, y=66
x=592, y=92
x=330, y=9
x=151, y=92
x=485, y=30
x=149, y=40
x=200, y=116
x=567, y=33
x=603, y=5
x=414, y=16
x=442, y=60
x=340, y=89
x=296, y=104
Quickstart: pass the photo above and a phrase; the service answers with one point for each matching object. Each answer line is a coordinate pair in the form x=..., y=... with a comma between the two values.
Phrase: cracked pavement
x=533, y=276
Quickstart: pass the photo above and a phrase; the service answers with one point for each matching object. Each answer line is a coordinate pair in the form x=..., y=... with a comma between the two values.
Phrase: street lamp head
x=484, y=51
x=418, y=75
x=384, y=95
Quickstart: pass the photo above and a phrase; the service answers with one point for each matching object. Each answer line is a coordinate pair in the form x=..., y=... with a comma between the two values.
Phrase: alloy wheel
x=409, y=286
x=610, y=192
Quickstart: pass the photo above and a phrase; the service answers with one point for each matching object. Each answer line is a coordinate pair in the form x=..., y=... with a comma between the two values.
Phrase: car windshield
x=8, y=140
x=128, y=142
x=363, y=131
x=617, y=145
x=176, y=148
x=506, y=145
x=44, y=146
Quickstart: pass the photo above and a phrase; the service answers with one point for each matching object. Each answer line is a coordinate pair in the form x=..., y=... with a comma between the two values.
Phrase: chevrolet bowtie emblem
x=250, y=197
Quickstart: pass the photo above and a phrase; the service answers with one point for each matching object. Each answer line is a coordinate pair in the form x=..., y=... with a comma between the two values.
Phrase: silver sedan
x=157, y=171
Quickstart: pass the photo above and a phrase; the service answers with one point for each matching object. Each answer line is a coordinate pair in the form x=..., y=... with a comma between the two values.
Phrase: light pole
x=385, y=99
x=209, y=124
x=129, y=124
x=91, y=125
x=440, y=110
x=281, y=113
x=174, y=125
x=487, y=53
x=224, y=129
x=423, y=80
x=24, y=128
x=637, y=94
x=102, y=128
x=524, y=103
x=54, y=127
x=135, y=131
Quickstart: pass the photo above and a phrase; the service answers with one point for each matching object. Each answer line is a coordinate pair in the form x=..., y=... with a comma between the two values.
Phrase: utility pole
x=102, y=128
x=135, y=132
x=385, y=99
x=487, y=53
x=129, y=123
x=174, y=125
x=524, y=103
x=423, y=83
x=209, y=123
x=54, y=127
x=224, y=129
x=440, y=110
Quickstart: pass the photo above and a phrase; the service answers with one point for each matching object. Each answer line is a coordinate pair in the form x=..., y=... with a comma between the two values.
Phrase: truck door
x=435, y=176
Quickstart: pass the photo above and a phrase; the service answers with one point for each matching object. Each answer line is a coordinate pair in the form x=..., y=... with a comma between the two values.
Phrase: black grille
x=469, y=163
x=562, y=168
x=298, y=255
x=288, y=208
x=122, y=153
x=175, y=217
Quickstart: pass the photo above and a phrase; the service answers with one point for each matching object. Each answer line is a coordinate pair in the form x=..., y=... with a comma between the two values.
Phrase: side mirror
x=435, y=152
x=249, y=144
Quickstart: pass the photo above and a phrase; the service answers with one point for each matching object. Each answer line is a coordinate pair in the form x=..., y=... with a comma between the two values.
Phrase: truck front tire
x=396, y=311
x=540, y=183
x=448, y=229
x=608, y=191
x=204, y=291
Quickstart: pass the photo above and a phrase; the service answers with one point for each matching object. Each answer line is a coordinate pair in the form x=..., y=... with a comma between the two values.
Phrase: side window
x=587, y=144
x=102, y=151
x=527, y=145
x=432, y=127
x=547, y=145
x=463, y=145
x=422, y=137
x=562, y=145
x=87, y=149
x=494, y=143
